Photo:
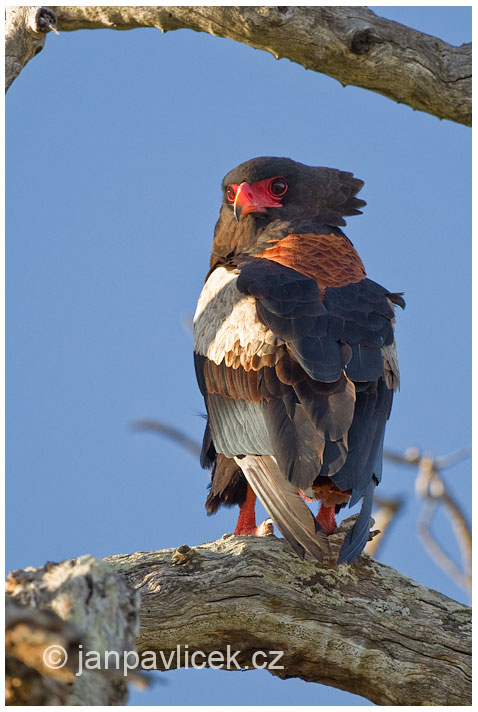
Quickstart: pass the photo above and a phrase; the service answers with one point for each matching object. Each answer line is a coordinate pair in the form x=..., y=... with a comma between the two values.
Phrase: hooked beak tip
x=237, y=207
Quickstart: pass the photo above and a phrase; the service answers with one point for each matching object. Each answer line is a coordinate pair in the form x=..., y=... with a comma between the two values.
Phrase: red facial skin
x=255, y=198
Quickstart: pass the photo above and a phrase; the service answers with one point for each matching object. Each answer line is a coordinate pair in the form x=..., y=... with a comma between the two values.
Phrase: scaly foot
x=326, y=519
x=263, y=529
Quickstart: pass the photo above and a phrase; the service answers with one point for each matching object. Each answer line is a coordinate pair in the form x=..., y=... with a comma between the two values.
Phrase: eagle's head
x=267, y=192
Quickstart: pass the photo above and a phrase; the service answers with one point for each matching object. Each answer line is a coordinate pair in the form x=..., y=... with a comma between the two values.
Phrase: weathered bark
x=350, y=44
x=365, y=628
x=30, y=636
x=78, y=602
x=25, y=32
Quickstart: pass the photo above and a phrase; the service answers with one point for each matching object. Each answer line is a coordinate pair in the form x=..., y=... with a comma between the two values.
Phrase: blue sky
x=116, y=147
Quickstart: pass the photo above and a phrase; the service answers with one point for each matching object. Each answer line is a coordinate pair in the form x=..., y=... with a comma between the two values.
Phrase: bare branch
x=435, y=550
x=29, y=634
x=25, y=32
x=446, y=461
x=364, y=628
x=410, y=457
x=430, y=487
x=384, y=515
x=162, y=429
x=350, y=44
x=102, y=612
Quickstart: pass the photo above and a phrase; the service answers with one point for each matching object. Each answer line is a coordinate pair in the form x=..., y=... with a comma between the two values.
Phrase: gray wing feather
x=283, y=503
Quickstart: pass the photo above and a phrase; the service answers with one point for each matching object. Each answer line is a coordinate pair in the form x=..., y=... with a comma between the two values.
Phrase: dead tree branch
x=430, y=487
x=82, y=601
x=168, y=431
x=384, y=514
x=363, y=628
x=350, y=44
x=25, y=32
x=29, y=635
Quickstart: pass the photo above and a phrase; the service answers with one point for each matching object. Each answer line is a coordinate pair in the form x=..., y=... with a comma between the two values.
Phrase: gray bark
x=25, y=32
x=364, y=628
x=30, y=634
x=350, y=44
x=78, y=602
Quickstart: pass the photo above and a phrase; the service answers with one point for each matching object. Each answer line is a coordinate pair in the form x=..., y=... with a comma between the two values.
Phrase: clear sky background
x=116, y=146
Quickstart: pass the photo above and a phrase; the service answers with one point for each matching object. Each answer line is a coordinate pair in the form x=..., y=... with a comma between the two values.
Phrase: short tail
x=283, y=503
x=357, y=537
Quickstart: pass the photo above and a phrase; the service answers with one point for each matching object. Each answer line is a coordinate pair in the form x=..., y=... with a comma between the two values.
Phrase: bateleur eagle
x=295, y=355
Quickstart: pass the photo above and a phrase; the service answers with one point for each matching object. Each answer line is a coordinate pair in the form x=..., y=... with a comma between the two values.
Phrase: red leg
x=246, y=523
x=326, y=518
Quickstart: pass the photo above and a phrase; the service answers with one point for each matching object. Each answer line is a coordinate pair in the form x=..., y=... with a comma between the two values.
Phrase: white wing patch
x=391, y=372
x=226, y=326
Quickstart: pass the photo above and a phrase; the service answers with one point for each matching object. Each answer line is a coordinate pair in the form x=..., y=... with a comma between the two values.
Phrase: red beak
x=253, y=199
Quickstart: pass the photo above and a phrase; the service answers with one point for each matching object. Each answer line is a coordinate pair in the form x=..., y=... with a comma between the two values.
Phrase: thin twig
x=433, y=548
x=432, y=489
x=162, y=429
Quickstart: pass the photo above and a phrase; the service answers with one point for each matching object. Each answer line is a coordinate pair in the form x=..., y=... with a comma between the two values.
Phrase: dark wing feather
x=361, y=315
x=366, y=440
x=228, y=485
x=289, y=304
x=296, y=443
x=357, y=537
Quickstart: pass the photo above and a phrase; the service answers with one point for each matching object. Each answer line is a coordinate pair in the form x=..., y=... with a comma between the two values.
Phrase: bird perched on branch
x=295, y=355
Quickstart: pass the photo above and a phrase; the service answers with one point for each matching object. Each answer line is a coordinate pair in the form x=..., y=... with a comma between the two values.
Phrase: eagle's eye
x=278, y=186
x=231, y=193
